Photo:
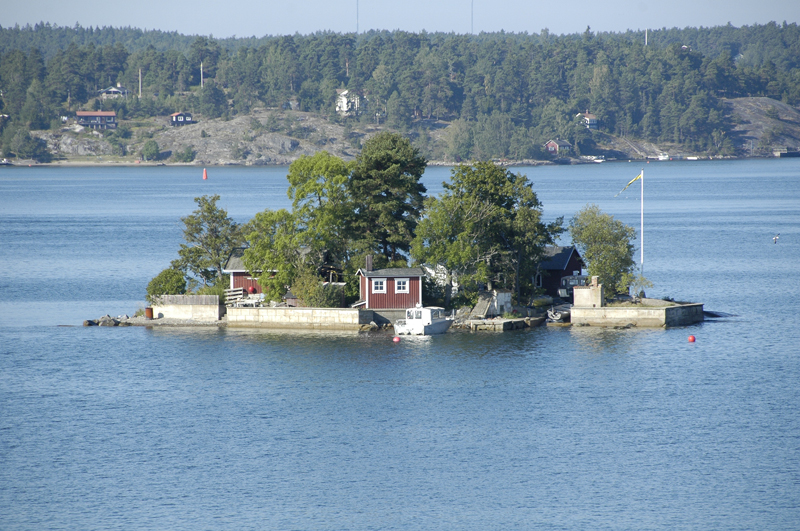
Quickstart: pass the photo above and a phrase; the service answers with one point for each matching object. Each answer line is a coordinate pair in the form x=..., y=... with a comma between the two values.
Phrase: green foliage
x=17, y=142
x=150, y=150
x=169, y=282
x=606, y=245
x=513, y=90
x=274, y=250
x=203, y=134
x=218, y=287
x=318, y=190
x=486, y=226
x=184, y=155
x=386, y=193
x=213, y=102
x=211, y=236
x=638, y=284
x=309, y=288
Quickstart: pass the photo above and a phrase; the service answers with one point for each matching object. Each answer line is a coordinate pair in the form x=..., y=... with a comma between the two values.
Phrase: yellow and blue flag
x=641, y=174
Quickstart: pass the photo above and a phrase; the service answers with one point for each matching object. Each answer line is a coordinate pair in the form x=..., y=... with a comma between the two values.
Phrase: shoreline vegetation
x=693, y=92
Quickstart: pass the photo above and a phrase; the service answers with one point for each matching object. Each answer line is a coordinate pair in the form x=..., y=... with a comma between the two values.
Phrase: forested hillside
x=502, y=95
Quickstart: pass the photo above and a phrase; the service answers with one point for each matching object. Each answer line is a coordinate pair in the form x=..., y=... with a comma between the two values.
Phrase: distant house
x=97, y=119
x=180, y=118
x=557, y=263
x=240, y=276
x=393, y=288
x=558, y=147
x=347, y=102
x=113, y=92
x=588, y=119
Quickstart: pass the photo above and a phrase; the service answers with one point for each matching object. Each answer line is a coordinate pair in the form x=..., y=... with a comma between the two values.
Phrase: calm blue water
x=545, y=429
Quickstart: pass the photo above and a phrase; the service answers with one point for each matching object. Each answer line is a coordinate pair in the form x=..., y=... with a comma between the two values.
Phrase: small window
x=401, y=285
x=378, y=285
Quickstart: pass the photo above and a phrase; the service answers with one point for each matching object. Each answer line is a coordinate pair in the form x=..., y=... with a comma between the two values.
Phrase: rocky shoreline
x=124, y=320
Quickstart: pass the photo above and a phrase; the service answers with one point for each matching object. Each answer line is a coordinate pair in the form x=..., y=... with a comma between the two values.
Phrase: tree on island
x=286, y=244
x=210, y=236
x=386, y=194
x=486, y=227
x=606, y=245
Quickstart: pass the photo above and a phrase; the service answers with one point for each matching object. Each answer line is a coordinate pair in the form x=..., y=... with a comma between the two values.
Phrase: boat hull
x=411, y=328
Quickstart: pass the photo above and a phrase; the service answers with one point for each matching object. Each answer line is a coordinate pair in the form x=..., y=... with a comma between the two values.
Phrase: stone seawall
x=194, y=307
x=312, y=318
x=648, y=317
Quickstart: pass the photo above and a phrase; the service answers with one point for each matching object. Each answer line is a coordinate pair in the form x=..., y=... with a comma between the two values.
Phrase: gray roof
x=557, y=257
x=393, y=272
x=235, y=262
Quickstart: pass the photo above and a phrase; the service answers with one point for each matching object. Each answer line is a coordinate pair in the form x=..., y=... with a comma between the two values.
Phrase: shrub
x=150, y=150
x=308, y=287
x=169, y=282
x=185, y=155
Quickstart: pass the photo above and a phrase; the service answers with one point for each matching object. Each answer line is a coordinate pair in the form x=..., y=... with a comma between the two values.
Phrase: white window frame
x=374, y=281
x=407, y=288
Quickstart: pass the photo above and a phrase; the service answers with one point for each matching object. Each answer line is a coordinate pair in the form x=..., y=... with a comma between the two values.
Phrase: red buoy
x=205, y=174
x=396, y=339
x=691, y=339
x=251, y=290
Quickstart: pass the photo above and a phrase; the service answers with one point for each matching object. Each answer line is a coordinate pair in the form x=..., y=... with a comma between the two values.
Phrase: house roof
x=235, y=262
x=113, y=89
x=588, y=115
x=393, y=272
x=178, y=113
x=560, y=143
x=557, y=257
x=95, y=113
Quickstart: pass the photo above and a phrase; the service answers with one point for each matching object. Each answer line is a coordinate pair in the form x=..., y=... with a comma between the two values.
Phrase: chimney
x=369, y=262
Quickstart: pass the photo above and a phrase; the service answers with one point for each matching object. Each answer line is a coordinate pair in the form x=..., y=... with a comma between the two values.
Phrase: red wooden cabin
x=392, y=288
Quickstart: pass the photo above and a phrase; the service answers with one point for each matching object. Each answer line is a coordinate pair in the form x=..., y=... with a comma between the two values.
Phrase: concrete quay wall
x=648, y=317
x=311, y=318
x=194, y=307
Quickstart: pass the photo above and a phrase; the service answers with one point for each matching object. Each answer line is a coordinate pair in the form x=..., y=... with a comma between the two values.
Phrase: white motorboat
x=423, y=321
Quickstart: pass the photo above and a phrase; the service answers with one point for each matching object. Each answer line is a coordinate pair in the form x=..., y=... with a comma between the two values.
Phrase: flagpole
x=641, y=229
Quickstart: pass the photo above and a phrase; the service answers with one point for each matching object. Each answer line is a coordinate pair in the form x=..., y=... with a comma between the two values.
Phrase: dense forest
x=503, y=94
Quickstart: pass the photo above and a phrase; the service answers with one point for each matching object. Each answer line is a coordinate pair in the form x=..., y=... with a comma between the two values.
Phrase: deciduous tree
x=606, y=245
x=210, y=236
x=486, y=226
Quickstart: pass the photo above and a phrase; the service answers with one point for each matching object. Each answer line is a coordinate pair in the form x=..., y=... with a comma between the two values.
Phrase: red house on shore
x=240, y=276
x=394, y=288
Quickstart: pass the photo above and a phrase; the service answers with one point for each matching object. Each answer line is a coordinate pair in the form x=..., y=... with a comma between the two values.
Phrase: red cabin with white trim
x=393, y=288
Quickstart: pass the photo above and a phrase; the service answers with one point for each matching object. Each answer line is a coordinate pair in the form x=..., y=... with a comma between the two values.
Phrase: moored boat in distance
x=423, y=321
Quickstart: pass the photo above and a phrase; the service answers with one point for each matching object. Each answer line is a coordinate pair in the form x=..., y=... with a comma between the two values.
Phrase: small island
x=362, y=244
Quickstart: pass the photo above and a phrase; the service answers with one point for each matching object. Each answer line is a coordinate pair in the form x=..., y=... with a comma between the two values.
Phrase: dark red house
x=393, y=288
x=557, y=263
x=240, y=276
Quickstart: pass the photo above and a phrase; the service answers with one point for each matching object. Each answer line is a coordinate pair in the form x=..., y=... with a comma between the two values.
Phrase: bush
x=217, y=288
x=169, y=282
x=150, y=150
x=308, y=287
x=185, y=155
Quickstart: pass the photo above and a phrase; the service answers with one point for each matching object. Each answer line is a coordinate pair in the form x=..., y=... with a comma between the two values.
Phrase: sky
x=245, y=18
